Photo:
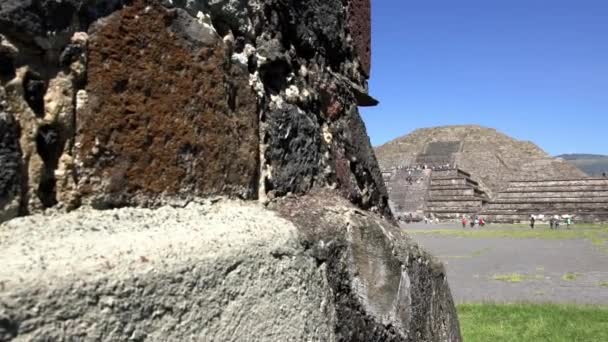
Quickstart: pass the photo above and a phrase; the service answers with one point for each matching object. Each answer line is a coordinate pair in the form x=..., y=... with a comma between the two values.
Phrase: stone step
x=434, y=176
x=456, y=198
x=453, y=181
x=546, y=211
x=452, y=192
x=564, y=182
x=458, y=209
x=576, y=200
x=548, y=206
x=557, y=188
x=450, y=173
x=553, y=194
x=451, y=187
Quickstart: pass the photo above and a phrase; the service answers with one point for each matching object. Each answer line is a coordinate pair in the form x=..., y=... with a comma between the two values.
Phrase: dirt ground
x=518, y=270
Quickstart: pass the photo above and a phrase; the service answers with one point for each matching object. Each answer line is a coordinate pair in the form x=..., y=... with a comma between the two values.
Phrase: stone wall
x=234, y=127
x=161, y=102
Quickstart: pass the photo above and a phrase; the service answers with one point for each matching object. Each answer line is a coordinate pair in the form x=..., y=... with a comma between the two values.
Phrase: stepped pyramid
x=475, y=170
x=490, y=157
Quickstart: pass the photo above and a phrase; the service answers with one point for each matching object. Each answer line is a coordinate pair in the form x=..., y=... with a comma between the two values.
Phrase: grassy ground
x=516, y=277
x=595, y=233
x=532, y=322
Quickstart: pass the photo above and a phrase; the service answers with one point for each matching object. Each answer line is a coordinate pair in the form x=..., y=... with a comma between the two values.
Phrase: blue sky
x=534, y=69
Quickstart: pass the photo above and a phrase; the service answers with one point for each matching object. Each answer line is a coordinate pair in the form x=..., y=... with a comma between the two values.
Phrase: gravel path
x=473, y=264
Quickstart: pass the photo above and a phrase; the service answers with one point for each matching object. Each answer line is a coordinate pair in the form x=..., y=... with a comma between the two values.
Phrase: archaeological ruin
x=447, y=172
x=199, y=171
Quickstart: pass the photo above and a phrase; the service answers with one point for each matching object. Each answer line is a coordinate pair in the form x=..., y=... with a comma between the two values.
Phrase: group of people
x=441, y=167
x=554, y=222
x=473, y=221
x=421, y=167
x=428, y=220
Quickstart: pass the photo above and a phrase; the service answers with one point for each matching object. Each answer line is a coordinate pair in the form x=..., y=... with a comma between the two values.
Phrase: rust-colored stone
x=164, y=116
x=360, y=25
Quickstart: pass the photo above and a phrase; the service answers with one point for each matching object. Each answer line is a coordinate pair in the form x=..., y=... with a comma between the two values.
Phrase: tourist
x=568, y=222
x=481, y=222
x=476, y=221
x=532, y=221
x=472, y=222
x=557, y=223
x=464, y=221
x=551, y=223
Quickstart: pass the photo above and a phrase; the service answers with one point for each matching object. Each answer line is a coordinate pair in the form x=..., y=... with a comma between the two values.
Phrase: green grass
x=510, y=278
x=604, y=284
x=597, y=234
x=570, y=276
x=533, y=322
x=516, y=277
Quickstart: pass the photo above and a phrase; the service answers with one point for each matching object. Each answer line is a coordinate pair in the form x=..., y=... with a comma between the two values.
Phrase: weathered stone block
x=355, y=163
x=314, y=268
x=383, y=283
x=167, y=113
x=294, y=150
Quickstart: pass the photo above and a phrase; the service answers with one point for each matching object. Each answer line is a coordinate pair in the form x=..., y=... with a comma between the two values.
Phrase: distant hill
x=491, y=157
x=592, y=164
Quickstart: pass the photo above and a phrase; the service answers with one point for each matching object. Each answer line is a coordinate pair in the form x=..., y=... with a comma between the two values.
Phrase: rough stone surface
x=38, y=92
x=295, y=153
x=228, y=97
x=386, y=288
x=224, y=272
x=167, y=113
x=360, y=29
x=10, y=173
x=314, y=268
x=154, y=102
x=355, y=163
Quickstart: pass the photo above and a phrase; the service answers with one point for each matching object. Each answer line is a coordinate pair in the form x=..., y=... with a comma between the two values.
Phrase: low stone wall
x=586, y=199
x=310, y=269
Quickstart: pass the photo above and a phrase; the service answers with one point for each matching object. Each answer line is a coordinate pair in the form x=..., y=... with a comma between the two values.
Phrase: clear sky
x=534, y=69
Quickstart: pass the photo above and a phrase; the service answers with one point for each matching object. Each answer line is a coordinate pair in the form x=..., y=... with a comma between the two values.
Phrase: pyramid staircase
x=452, y=193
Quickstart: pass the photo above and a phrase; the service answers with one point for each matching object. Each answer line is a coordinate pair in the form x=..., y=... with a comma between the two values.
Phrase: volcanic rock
x=198, y=170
